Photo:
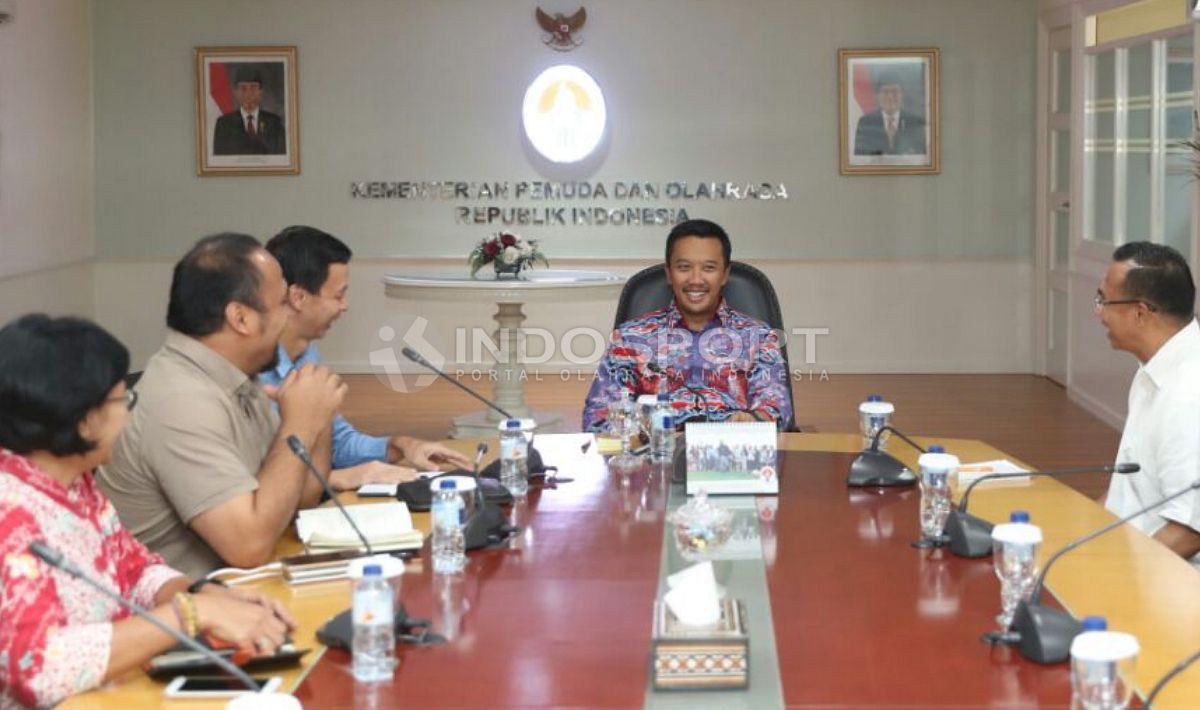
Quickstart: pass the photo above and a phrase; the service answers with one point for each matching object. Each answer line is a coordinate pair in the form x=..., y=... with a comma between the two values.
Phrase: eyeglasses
x=1100, y=302
x=129, y=398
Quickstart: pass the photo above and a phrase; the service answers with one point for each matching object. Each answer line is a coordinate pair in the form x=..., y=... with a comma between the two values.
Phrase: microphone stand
x=971, y=536
x=1179, y=668
x=487, y=525
x=493, y=470
x=877, y=468
x=301, y=453
x=55, y=559
x=1044, y=635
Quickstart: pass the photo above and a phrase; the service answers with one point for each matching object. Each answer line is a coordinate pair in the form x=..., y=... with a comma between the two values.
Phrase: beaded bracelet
x=185, y=610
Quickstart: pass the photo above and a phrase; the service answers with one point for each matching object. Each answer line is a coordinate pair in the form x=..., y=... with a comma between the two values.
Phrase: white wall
x=46, y=195
x=867, y=306
x=697, y=90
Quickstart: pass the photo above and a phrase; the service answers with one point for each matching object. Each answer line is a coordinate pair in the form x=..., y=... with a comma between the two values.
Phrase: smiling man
x=717, y=364
x=1146, y=305
x=316, y=267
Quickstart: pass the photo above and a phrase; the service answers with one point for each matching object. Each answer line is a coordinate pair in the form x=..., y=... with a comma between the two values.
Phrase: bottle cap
x=664, y=397
x=668, y=422
x=446, y=484
x=372, y=571
x=874, y=398
x=1095, y=623
x=1018, y=516
x=936, y=449
x=512, y=424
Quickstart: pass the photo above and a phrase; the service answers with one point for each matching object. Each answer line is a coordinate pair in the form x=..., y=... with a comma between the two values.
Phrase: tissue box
x=689, y=658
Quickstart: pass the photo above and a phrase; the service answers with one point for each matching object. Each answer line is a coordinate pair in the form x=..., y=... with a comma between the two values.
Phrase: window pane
x=1105, y=76
x=1177, y=220
x=1141, y=75
x=1101, y=196
x=1062, y=239
x=1061, y=179
x=1179, y=64
x=1062, y=81
x=1137, y=196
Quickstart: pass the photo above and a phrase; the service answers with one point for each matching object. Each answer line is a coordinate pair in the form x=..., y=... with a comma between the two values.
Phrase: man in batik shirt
x=717, y=364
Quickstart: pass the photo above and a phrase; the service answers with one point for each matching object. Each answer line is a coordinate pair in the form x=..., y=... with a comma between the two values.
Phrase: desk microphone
x=1179, y=668
x=536, y=467
x=55, y=559
x=487, y=525
x=1044, y=635
x=877, y=468
x=301, y=453
x=971, y=536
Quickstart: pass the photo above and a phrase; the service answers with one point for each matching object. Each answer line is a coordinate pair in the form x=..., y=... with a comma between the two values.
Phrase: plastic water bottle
x=1102, y=667
x=374, y=645
x=937, y=469
x=448, y=512
x=873, y=415
x=662, y=430
x=1014, y=556
x=514, y=458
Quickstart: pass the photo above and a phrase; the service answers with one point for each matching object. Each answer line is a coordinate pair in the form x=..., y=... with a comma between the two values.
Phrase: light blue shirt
x=350, y=446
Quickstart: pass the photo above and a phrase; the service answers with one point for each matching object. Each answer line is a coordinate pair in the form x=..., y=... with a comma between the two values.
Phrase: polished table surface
x=561, y=617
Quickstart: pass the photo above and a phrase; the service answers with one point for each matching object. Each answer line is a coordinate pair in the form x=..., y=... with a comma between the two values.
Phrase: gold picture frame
x=247, y=115
x=888, y=111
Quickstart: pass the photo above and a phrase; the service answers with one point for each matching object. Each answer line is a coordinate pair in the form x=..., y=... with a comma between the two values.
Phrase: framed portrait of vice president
x=247, y=121
x=888, y=111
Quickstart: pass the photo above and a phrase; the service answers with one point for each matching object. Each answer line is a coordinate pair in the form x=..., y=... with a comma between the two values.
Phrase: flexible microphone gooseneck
x=1044, y=635
x=301, y=453
x=55, y=559
x=487, y=525
x=420, y=360
x=492, y=470
x=1179, y=668
x=971, y=536
x=876, y=468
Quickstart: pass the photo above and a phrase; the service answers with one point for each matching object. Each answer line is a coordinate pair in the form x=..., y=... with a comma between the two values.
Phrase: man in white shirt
x=1146, y=303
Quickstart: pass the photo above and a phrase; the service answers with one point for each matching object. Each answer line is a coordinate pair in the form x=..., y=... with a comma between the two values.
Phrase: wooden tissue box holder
x=709, y=658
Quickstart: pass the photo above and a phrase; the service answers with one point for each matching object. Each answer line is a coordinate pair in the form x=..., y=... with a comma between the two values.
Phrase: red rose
x=508, y=239
x=491, y=249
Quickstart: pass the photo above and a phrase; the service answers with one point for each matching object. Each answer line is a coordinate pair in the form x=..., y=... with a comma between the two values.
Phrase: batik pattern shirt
x=56, y=631
x=735, y=363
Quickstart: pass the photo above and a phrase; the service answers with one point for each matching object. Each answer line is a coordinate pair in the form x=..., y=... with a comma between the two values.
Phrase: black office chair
x=749, y=291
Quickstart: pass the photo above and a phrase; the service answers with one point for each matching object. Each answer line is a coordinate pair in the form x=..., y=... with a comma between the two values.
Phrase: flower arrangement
x=507, y=252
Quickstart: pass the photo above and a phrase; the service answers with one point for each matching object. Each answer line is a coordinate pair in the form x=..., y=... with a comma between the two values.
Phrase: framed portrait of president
x=247, y=121
x=888, y=111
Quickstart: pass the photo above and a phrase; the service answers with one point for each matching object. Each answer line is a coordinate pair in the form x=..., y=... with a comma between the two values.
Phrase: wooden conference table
x=562, y=616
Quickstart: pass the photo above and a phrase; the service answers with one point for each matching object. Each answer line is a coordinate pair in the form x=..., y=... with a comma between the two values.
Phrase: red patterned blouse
x=55, y=631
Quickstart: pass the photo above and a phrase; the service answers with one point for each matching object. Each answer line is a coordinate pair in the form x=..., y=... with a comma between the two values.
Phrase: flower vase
x=507, y=271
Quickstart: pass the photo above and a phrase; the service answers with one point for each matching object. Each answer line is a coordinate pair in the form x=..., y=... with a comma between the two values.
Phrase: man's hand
x=309, y=397
x=348, y=479
x=426, y=455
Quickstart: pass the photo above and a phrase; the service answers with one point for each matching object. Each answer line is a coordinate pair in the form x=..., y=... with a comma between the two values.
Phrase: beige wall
x=866, y=306
x=937, y=267
x=46, y=195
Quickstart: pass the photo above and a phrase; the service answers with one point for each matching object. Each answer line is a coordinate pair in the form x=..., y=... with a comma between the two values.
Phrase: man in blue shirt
x=316, y=267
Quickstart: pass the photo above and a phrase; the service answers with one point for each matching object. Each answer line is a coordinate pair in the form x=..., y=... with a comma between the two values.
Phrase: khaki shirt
x=196, y=439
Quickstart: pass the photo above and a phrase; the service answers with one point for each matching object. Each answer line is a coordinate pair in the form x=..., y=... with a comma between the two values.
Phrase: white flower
x=526, y=248
x=510, y=255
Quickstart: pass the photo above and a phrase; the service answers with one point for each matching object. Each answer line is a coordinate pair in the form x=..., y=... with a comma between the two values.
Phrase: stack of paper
x=387, y=526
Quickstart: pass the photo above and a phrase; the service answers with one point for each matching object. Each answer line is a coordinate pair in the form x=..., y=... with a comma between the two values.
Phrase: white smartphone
x=377, y=490
x=216, y=686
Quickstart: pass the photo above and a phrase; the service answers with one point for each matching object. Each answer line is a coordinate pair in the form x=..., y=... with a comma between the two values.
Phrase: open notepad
x=386, y=526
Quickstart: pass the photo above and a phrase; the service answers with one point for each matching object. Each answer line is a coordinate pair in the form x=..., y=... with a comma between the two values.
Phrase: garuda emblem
x=559, y=28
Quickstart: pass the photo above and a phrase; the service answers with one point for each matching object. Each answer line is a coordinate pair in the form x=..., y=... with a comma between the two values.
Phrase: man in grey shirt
x=203, y=473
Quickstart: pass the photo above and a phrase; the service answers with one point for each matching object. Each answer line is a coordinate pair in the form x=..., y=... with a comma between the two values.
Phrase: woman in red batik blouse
x=63, y=402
